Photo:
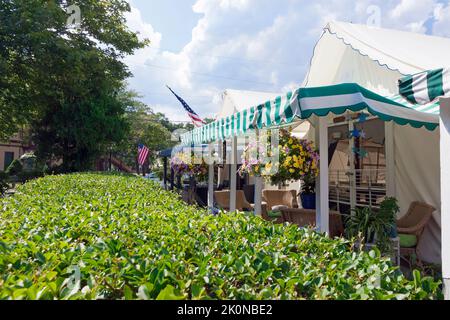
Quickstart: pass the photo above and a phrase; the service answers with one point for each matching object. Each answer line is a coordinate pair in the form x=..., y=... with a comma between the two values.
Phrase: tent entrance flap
x=304, y=103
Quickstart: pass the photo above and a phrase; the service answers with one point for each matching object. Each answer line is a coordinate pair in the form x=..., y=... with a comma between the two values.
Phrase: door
x=357, y=164
x=9, y=158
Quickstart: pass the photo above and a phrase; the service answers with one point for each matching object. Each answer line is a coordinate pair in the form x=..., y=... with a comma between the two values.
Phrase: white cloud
x=145, y=30
x=260, y=45
x=442, y=16
x=412, y=14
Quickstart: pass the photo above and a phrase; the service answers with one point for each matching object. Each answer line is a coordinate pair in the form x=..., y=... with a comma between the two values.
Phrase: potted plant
x=374, y=227
x=308, y=192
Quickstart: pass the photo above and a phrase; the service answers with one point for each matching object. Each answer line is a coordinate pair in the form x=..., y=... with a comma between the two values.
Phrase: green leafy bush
x=25, y=176
x=91, y=236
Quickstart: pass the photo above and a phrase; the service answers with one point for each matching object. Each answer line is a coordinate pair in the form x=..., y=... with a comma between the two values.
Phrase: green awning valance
x=306, y=102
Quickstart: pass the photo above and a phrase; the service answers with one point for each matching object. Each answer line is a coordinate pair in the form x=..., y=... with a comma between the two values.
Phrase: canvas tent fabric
x=376, y=59
x=403, y=53
x=237, y=100
x=305, y=103
x=425, y=87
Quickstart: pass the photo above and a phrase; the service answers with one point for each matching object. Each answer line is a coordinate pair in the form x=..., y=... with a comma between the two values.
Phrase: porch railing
x=357, y=188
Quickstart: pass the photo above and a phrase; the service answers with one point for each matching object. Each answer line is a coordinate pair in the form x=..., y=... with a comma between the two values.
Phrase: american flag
x=143, y=152
x=196, y=120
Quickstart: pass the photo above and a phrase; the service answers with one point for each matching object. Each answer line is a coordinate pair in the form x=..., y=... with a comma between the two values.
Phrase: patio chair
x=223, y=201
x=410, y=228
x=278, y=198
x=307, y=218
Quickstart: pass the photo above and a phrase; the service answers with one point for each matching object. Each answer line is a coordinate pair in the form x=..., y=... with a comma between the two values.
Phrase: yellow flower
x=291, y=170
x=269, y=166
x=296, y=165
x=291, y=141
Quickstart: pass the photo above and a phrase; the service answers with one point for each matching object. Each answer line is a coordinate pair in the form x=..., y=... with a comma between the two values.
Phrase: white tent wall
x=361, y=54
x=417, y=176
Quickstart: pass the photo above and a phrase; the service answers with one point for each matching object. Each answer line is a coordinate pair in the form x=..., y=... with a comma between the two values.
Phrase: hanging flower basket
x=191, y=165
x=299, y=160
x=256, y=161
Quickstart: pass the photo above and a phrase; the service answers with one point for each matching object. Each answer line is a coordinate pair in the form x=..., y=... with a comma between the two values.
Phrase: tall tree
x=65, y=80
x=147, y=128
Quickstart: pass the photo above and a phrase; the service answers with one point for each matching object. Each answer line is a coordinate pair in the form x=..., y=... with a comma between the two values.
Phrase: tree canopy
x=65, y=81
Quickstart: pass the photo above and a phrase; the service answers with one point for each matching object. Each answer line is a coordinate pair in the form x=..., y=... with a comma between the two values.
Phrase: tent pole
x=233, y=170
x=258, y=187
x=211, y=176
x=323, y=212
x=211, y=185
x=353, y=171
x=390, y=158
x=317, y=141
x=445, y=191
x=258, y=195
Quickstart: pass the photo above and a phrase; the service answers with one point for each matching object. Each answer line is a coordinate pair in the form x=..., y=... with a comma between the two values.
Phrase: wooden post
x=172, y=179
x=165, y=172
x=323, y=213
x=445, y=193
x=233, y=170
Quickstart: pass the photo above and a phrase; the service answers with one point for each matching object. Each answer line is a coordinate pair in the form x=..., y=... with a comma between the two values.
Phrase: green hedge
x=92, y=236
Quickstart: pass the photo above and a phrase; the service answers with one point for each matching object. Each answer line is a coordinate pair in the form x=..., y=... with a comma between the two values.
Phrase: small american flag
x=196, y=120
x=143, y=152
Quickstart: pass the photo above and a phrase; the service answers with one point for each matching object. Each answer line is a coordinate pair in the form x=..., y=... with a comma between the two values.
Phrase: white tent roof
x=238, y=100
x=392, y=54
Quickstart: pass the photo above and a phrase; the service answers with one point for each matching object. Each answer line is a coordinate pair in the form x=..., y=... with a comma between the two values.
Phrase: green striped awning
x=425, y=87
x=306, y=102
x=432, y=107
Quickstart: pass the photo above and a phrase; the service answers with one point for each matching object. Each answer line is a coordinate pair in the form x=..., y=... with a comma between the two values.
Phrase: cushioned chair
x=307, y=218
x=278, y=198
x=223, y=201
x=411, y=226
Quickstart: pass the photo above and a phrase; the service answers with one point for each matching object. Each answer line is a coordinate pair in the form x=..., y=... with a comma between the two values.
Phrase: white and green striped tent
x=320, y=101
x=425, y=87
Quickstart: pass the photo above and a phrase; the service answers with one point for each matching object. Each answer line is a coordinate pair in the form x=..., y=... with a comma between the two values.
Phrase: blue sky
x=174, y=18
x=202, y=47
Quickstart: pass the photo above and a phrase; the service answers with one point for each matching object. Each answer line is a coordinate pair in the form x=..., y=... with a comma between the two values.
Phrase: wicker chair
x=307, y=218
x=223, y=201
x=414, y=223
x=275, y=198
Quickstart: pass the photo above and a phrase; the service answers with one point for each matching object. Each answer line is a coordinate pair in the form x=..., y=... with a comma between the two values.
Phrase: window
x=9, y=158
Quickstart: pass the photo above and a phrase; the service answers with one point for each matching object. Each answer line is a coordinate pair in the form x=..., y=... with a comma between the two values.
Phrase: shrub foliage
x=91, y=236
